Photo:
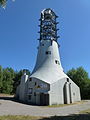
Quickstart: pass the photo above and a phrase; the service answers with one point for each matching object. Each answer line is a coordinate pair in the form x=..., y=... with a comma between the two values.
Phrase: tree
x=10, y=79
x=8, y=76
x=81, y=78
x=17, y=78
x=1, y=78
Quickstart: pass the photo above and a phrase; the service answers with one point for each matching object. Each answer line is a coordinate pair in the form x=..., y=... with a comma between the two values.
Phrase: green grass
x=19, y=117
x=5, y=95
x=63, y=105
x=70, y=117
x=85, y=111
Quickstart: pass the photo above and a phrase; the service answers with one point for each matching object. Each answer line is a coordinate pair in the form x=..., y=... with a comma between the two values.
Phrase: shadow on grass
x=70, y=117
x=12, y=98
x=7, y=98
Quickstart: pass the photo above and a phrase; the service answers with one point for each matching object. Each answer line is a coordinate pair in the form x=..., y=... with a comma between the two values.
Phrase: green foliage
x=17, y=78
x=81, y=78
x=1, y=78
x=8, y=76
x=20, y=117
x=10, y=79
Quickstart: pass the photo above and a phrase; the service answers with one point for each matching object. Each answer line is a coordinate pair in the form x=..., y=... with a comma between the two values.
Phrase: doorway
x=44, y=99
x=67, y=93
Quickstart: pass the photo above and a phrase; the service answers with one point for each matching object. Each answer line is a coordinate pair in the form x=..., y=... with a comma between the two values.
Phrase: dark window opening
x=29, y=97
x=42, y=44
x=35, y=83
x=34, y=94
x=48, y=52
x=51, y=42
x=67, y=79
x=30, y=79
x=57, y=62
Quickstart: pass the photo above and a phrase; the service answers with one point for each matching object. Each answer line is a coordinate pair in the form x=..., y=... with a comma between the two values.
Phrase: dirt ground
x=8, y=106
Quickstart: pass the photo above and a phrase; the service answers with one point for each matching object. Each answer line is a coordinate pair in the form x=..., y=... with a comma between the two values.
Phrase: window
x=42, y=44
x=57, y=62
x=67, y=79
x=29, y=97
x=30, y=90
x=34, y=94
x=48, y=52
x=30, y=79
x=51, y=42
x=35, y=83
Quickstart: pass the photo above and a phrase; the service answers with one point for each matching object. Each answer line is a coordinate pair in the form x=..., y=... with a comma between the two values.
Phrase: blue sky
x=19, y=27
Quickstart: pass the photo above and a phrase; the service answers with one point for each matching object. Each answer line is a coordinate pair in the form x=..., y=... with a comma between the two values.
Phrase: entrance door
x=70, y=93
x=44, y=99
x=67, y=93
x=64, y=94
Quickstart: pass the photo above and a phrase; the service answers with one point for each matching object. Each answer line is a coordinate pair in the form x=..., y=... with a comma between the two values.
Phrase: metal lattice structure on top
x=48, y=25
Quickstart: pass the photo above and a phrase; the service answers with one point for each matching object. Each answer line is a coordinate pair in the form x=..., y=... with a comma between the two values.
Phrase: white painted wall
x=46, y=69
x=34, y=84
x=57, y=92
x=47, y=72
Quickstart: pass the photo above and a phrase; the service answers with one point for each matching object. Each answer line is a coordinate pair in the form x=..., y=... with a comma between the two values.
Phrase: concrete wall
x=46, y=68
x=64, y=91
x=56, y=92
x=75, y=92
x=36, y=86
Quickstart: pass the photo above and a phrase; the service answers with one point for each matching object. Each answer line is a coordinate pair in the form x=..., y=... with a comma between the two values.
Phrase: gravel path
x=8, y=107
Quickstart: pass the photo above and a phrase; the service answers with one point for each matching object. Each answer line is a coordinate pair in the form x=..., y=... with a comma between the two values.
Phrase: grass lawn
x=70, y=117
x=85, y=111
x=5, y=95
x=19, y=117
x=84, y=115
x=63, y=105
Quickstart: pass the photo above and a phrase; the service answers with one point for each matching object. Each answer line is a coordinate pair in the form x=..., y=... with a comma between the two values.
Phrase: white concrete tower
x=48, y=65
x=48, y=84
